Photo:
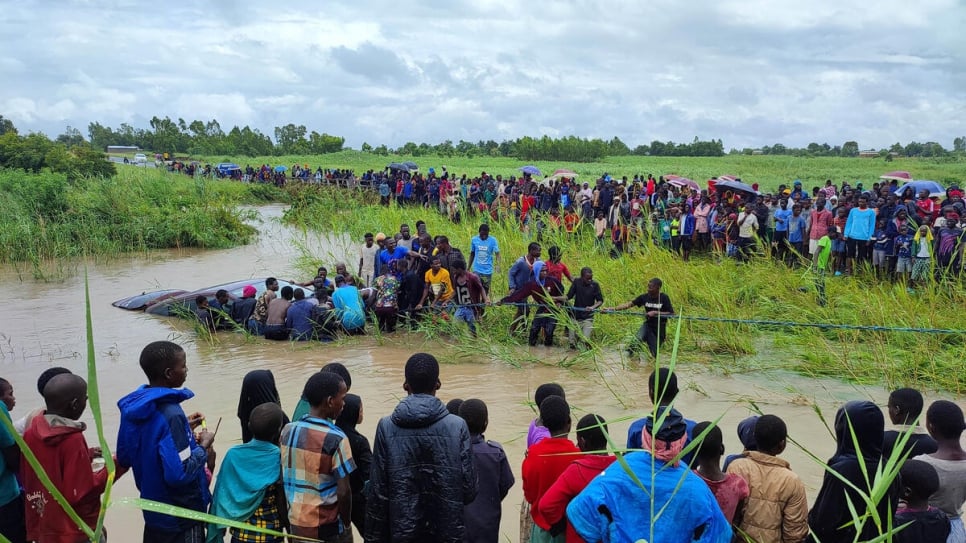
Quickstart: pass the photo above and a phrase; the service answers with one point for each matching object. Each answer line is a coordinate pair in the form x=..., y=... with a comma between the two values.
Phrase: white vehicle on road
x=140, y=159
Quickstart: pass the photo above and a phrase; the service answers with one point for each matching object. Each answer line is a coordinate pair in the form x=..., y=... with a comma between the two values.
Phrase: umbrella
x=897, y=176
x=919, y=185
x=281, y=168
x=398, y=166
x=411, y=165
x=736, y=186
x=679, y=181
x=530, y=169
x=727, y=178
x=564, y=173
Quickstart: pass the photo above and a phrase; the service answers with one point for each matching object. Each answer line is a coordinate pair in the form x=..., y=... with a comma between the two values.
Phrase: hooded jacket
x=156, y=442
x=60, y=447
x=422, y=474
x=831, y=511
x=361, y=453
x=258, y=387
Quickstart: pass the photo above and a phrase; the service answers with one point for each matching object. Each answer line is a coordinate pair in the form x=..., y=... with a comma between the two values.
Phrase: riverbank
x=45, y=216
x=761, y=290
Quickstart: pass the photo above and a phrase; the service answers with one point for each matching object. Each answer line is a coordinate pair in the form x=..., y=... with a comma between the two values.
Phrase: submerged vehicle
x=178, y=302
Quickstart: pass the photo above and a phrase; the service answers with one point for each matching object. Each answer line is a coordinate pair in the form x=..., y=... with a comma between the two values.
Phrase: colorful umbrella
x=897, y=176
x=569, y=174
x=530, y=169
x=919, y=185
x=281, y=168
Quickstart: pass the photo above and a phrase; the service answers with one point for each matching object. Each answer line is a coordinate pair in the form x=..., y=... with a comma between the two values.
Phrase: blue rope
x=752, y=322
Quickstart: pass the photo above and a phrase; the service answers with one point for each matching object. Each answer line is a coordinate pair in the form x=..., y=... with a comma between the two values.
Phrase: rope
x=752, y=322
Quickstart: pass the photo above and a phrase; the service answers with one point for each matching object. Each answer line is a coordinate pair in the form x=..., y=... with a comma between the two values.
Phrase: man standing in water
x=484, y=251
x=654, y=329
x=520, y=274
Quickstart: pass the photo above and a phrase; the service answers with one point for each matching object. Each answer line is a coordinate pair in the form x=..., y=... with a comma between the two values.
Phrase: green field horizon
x=768, y=171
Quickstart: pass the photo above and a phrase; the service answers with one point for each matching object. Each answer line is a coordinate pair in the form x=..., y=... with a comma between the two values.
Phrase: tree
x=6, y=125
x=290, y=139
x=959, y=144
x=366, y=148
x=850, y=148
x=71, y=137
x=616, y=147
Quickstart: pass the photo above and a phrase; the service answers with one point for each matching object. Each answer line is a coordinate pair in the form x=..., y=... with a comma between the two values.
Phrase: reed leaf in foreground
x=94, y=400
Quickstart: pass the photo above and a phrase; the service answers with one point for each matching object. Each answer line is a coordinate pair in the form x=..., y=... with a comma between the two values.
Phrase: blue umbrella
x=919, y=185
x=402, y=166
x=280, y=168
x=530, y=169
x=411, y=165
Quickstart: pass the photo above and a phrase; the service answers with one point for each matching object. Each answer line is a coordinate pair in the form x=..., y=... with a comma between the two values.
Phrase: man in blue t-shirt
x=783, y=216
x=859, y=228
x=11, y=499
x=484, y=251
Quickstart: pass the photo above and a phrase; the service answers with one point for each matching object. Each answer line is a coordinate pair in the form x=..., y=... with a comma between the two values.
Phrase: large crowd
x=430, y=475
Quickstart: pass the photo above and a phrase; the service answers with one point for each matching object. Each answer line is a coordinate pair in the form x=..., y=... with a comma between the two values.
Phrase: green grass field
x=767, y=171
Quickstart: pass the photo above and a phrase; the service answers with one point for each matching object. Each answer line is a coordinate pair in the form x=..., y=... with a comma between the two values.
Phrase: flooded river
x=44, y=327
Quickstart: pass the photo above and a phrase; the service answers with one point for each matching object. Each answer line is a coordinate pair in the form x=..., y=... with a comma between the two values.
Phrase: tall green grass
x=707, y=286
x=44, y=216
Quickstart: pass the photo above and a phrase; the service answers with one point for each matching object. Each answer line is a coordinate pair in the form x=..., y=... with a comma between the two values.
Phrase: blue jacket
x=156, y=442
x=613, y=508
x=520, y=274
x=298, y=320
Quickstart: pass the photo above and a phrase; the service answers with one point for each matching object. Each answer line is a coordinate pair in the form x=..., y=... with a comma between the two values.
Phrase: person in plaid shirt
x=316, y=463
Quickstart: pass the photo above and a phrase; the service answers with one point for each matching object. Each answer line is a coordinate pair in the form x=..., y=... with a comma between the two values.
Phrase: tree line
x=207, y=138
x=68, y=154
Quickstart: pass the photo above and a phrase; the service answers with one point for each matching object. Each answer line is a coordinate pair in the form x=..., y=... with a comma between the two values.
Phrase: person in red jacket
x=544, y=463
x=57, y=440
x=592, y=441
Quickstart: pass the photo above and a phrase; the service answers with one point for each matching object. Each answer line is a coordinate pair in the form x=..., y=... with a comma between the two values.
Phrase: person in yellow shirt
x=439, y=287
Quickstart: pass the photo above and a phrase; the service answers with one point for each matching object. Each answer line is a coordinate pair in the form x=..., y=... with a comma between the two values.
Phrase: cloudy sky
x=751, y=72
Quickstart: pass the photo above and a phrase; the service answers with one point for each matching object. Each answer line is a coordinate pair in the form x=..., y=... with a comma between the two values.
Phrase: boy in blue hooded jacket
x=156, y=440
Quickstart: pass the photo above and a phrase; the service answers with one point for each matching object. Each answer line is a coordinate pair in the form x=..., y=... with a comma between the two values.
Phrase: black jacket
x=422, y=474
x=831, y=509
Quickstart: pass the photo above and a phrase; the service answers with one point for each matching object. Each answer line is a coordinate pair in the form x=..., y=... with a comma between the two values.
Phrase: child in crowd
x=919, y=482
x=56, y=439
x=544, y=463
x=22, y=423
x=945, y=423
x=482, y=515
x=859, y=427
x=316, y=464
x=903, y=245
x=838, y=244
x=905, y=406
x=347, y=421
x=11, y=498
x=535, y=433
x=921, y=256
x=777, y=509
x=248, y=488
x=156, y=439
x=746, y=435
x=302, y=407
x=662, y=387
x=592, y=441
x=879, y=248
x=453, y=406
x=729, y=489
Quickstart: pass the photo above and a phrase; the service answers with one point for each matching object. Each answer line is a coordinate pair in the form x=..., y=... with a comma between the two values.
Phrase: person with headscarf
x=859, y=427
x=615, y=507
x=746, y=435
x=546, y=292
x=347, y=421
x=302, y=406
x=258, y=387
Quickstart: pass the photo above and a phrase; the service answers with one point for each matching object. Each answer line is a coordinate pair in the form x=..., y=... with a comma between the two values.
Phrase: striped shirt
x=315, y=455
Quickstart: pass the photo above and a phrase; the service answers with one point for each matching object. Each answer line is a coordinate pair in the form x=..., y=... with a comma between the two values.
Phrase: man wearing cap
x=615, y=507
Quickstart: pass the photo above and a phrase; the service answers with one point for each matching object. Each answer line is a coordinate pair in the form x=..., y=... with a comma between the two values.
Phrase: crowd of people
x=430, y=475
x=403, y=279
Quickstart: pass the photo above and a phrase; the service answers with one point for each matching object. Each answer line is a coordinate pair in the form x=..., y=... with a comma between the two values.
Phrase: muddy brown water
x=43, y=326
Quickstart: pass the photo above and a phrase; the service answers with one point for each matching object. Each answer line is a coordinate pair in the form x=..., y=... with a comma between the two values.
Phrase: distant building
x=869, y=153
x=121, y=149
x=757, y=152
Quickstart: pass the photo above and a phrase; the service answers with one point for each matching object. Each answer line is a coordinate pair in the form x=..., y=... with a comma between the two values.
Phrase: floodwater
x=43, y=326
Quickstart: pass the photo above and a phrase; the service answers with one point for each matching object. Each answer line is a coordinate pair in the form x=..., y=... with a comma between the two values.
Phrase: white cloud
x=750, y=72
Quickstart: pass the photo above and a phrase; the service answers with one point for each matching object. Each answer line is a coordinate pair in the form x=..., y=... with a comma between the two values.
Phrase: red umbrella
x=728, y=178
x=570, y=174
x=897, y=176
